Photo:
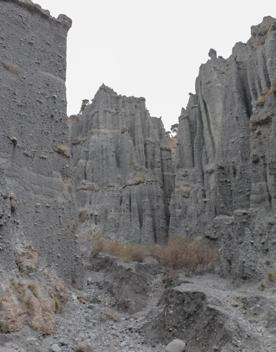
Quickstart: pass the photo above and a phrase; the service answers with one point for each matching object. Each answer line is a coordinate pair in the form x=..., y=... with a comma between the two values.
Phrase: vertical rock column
x=225, y=177
x=122, y=169
x=34, y=144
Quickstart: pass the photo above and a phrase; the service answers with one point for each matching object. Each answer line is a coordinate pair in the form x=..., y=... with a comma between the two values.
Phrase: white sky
x=150, y=48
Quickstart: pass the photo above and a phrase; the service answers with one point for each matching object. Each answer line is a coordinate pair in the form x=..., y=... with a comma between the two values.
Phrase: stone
x=176, y=345
x=55, y=348
x=84, y=347
x=11, y=348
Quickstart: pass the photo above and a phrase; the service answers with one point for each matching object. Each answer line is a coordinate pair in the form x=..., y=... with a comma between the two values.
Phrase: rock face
x=209, y=315
x=225, y=162
x=113, y=171
x=122, y=169
x=35, y=204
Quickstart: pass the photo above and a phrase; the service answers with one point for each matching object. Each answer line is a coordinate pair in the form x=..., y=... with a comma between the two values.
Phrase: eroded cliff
x=36, y=206
x=122, y=168
x=112, y=171
x=225, y=178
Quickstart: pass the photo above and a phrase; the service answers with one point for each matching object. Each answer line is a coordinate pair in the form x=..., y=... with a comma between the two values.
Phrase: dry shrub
x=32, y=302
x=98, y=245
x=56, y=291
x=271, y=276
x=273, y=85
x=27, y=260
x=127, y=252
x=12, y=68
x=63, y=150
x=267, y=93
x=24, y=303
x=268, y=281
x=189, y=255
x=169, y=144
x=261, y=100
x=12, y=314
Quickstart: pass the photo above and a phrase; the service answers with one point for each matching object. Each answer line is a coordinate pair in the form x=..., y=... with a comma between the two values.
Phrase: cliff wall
x=122, y=169
x=225, y=178
x=113, y=171
x=36, y=207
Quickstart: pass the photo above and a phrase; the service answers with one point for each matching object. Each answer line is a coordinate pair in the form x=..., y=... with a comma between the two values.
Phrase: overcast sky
x=150, y=48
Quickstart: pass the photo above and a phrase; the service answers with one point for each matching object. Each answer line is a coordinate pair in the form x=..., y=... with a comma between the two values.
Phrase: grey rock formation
x=113, y=171
x=212, y=315
x=225, y=178
x=35, y=203
x=122, y=169
x=176, y=345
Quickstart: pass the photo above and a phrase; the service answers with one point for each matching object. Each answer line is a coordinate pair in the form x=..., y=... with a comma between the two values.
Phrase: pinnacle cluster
x=96, y=209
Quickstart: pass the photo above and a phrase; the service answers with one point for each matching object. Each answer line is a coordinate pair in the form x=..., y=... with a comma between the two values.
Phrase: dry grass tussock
x=33, y=298
x=185, y=254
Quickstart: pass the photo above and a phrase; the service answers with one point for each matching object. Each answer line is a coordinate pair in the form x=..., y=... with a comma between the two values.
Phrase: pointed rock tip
x=212, y=53
x=106, y=89
x=268, y=23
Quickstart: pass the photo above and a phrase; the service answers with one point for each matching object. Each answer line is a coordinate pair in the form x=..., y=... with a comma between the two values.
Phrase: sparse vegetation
x=169, y=144
x=189, y=255
x=271, y=277
x=63, y=150
x=127, y=252
x=273, y=85
x=27, y=260
x=32, y=302
x=261, y=100
x=267, y=93
x=268, y=281
x=12, y=68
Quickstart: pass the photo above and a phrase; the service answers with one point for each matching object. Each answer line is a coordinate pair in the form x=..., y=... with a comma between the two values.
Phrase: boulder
x=176, y=345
